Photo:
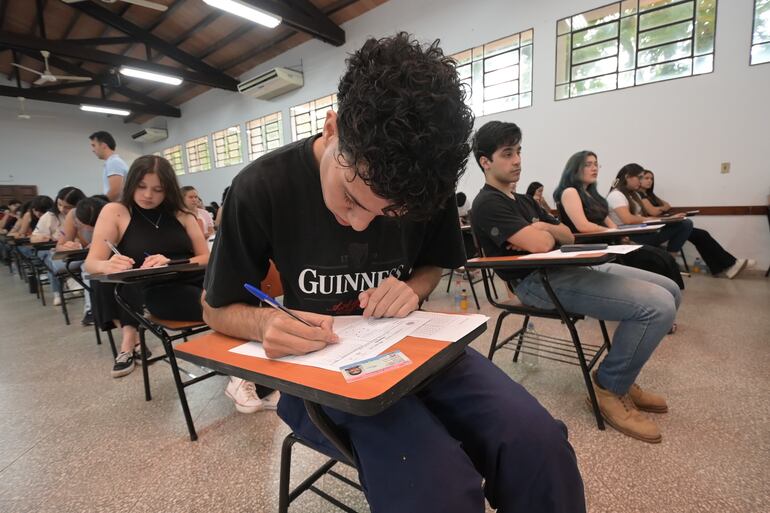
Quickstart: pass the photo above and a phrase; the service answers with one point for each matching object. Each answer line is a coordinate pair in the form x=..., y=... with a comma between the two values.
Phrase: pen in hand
x=275, y=304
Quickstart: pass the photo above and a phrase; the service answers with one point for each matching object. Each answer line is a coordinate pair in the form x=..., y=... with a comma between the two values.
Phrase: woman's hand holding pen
x=393, y=298
x=155, y=261
x=282, y=335
x=118, y=263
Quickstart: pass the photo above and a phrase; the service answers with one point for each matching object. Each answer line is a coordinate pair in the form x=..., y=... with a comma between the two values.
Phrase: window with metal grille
x=174, y=156
x=308, y=119
x=498, y=75
x=198, y=155
x=264, y=134
x=633, y=42
x=760, y=37
x=227, y=146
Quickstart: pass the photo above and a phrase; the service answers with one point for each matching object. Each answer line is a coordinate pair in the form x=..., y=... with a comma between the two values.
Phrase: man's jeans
x=645, y=303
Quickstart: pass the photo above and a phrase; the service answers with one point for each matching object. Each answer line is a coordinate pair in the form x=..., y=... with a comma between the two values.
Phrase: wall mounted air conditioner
x=272, y=83
x=150, y=135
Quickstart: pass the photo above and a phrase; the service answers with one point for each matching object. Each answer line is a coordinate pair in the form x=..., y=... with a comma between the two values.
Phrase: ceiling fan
x=22, y=113
x=46, y=75
x=140, y=3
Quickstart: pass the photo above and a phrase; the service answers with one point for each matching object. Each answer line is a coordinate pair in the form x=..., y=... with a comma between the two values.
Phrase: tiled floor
x=72, y=439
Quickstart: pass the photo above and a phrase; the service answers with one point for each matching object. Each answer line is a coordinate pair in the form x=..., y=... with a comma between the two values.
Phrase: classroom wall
x=52, y=152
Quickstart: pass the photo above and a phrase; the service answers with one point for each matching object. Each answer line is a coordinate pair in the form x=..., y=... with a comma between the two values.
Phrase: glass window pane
x=646, y=5
x=525, y=69
x=668, y=15
x=501, y=104
x=760, y=53
x=626, y=79
x=500, y=90
x=501, y=75
x=703, y=64
x=665, y=71
x=705, y=25
x=665, y=34
x=594, y=35
x=562, y=58
x=464, y=71
x=501, y=45
x=562, y=91
x=595, y=17
x=563, y=26
x=627, y=58
x=628, y=7
x=593, y=69
x=592, y=85
x=761, y=22
x=525, y=100
x=593, y=52
x=463, y=57
x=501, y=61
x=526, y=37
x=669, y=52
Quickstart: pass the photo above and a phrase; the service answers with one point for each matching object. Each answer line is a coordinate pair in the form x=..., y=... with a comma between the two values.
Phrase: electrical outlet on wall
x=725, y=168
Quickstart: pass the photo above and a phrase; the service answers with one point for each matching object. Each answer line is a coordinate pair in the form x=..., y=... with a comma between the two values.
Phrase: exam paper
x=618, y=249
x=362, y=338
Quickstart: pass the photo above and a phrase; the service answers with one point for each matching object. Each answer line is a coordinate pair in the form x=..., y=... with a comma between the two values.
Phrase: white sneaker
x=737, y=267
x=270, y=401
x=56, y=299
x=72, y=285
x=244, y=395
x=750, y=263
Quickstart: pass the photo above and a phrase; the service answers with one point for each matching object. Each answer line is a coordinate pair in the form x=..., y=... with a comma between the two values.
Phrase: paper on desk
x=362, y=338
x=617, y=249
x=624, y=229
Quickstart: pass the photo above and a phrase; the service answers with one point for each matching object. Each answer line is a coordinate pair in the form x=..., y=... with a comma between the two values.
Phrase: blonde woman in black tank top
x=151, y=219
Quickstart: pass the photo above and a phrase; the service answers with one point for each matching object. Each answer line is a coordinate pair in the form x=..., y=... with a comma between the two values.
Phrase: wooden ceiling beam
x=305, y=17
x=98, y=41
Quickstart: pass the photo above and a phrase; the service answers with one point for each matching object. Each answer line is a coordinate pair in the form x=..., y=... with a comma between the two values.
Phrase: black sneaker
x=124, y=365
x=138, y=355
x=88, y=319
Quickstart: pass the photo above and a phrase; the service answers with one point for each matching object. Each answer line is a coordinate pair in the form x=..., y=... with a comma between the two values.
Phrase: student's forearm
x=113, y=194
x=424, y=280
x=237, y=320
x=559, y=232
x=35, y=238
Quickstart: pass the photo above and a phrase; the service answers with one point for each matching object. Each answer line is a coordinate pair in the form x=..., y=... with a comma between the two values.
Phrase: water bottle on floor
x=464, y=301
x=533, y=358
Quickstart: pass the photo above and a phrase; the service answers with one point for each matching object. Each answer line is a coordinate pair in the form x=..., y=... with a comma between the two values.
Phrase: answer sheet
x=618, y=249
x=362, y=338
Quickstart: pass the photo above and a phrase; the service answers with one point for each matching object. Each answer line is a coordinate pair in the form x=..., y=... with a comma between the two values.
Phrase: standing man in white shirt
x=115, y=169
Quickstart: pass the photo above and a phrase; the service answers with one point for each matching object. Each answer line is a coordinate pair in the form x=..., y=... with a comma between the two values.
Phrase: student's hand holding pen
x=118, y=263
x=283, y=335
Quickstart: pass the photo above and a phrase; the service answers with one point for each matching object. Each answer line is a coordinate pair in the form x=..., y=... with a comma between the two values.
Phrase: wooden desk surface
x=329, y=388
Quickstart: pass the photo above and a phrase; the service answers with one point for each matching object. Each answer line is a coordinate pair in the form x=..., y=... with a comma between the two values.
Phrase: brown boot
x=647, y=401
x=620, y=413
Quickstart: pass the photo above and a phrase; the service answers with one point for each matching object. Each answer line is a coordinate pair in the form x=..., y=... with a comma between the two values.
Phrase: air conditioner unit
x=272, y=83
x=150, y=135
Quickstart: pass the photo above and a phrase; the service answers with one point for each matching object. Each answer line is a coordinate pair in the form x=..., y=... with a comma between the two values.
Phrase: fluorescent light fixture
x=149, y=75
x=104, y=110
x=247, y=11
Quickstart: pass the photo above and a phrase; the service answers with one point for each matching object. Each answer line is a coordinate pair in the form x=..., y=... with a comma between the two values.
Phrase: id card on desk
x=373, y=366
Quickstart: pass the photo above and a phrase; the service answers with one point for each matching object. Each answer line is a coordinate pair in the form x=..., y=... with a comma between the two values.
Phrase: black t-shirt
x=275, y=211
x=594, y=211
x=496, y=217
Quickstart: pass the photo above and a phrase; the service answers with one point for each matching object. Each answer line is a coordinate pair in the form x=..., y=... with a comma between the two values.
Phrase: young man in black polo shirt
x=360, y=219
x=645, y=303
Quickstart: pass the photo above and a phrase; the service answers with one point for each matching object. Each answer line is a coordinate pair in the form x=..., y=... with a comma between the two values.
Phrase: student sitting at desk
x=77, y=233
x=150, y=226
x=584, y=210
x=192, y=203
x=49, y=229
x=717, y=258
x=645, y=303
x=535, y=191
x=361, y=219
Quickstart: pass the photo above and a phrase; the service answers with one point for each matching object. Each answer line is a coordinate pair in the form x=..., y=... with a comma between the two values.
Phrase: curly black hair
x=403, y=123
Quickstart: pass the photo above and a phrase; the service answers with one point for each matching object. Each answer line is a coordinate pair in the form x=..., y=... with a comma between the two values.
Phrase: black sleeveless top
x=169, y=238
x=594, y=211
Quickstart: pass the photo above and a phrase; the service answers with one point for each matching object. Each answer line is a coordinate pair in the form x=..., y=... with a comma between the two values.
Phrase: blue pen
x=272, y=302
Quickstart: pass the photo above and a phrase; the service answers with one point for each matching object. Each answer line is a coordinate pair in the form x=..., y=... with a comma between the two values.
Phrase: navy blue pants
x=430, y=451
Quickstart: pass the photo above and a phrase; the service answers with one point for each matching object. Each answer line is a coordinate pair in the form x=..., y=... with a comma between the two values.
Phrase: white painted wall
x=53, y=152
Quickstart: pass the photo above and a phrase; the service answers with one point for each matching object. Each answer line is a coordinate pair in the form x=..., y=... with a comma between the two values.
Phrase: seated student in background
x=37, y=208
x=506, y=223
x=192, y=203
x=23, y=220
x=11, y=216
x=584, y=210
x=150, y=219
x=535, y=191
x=717, y=258
x=77, y=233
x=625, y=208
x=221, y=211
x=463, y=207
x=364, y=199
x=49, y=229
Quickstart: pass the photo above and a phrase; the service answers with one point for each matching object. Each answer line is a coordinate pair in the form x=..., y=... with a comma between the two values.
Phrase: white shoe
x=72, y=285
x=270, y=401
x=244, y=395
x=737, y=267
x=56, y=299
x=750, y=263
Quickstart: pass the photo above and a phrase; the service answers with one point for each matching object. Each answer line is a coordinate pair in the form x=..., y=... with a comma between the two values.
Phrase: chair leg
x=449, y=280
x=684, y=261
x=520, y=342
x=145, y=370
x=473, y=289
x=498, y=325
x=112, y=344
x=179, y=387
x=283, y=486
x=491, y=281
x=605, y=335
x=63, y=300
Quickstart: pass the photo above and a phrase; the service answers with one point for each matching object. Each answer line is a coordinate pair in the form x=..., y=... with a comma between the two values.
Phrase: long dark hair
x=88, y=210
x=533, y=187
x=621, y=184
x=152, y=164
x=650, y=193
x=62, y=195
x=570, y=177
